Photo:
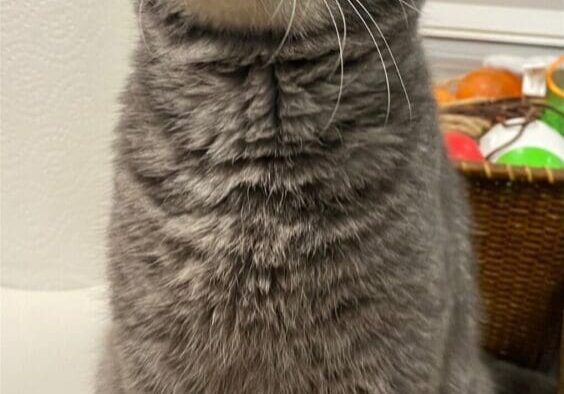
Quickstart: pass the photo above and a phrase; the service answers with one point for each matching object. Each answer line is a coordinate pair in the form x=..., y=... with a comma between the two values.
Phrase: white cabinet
x=533, y=22
x=459, y=34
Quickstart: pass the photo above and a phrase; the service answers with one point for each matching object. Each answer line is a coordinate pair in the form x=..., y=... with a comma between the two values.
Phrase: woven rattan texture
x=519, y=241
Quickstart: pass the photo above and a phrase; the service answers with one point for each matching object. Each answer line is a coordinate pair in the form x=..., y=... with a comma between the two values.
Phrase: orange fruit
x=489, y=82
x=443, y=95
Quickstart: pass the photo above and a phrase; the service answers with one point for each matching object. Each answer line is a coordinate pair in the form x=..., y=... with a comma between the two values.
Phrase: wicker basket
x=519, y=240
x=518, y=234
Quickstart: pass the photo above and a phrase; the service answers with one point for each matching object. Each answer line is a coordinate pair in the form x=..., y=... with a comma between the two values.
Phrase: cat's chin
x=257, y=15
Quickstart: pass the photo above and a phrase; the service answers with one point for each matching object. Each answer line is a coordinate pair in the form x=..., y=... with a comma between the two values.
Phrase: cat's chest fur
x=257, y=244
x=254, y=301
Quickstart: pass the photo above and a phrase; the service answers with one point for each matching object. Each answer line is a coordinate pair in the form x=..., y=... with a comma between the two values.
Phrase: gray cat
x=285, y=220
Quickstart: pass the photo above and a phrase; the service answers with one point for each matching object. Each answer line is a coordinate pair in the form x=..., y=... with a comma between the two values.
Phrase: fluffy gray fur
x=255, y=248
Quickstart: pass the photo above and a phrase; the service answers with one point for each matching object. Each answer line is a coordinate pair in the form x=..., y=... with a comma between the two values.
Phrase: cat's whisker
x=384, y=67
x=341, y=55
x=263, y=5
x=345, y=32
x=276, y=10
x=405, y=16
x=287, y=33
x=152, y=54
x=141, y=27
x=344, y=19
x=410, y=5
x=398, y=71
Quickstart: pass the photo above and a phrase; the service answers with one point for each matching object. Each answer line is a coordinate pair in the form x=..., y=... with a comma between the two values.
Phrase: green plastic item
x=552, y=118
x=555, y=96
x=532, y=157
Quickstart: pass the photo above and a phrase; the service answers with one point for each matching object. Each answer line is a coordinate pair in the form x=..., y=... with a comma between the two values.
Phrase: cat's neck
x=250, y=98
x=218, y=126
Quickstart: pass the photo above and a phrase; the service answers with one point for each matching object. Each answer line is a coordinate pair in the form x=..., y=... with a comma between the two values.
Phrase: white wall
x=62, y=64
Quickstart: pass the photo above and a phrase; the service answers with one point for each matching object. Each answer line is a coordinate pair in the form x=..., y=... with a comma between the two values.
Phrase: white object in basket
x=536, y=135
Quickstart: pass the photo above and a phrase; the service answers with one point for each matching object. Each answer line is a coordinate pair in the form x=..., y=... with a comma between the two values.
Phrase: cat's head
x=297, y=15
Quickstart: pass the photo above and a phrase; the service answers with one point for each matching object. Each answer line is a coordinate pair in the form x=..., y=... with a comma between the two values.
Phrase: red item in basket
x=462, y=147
